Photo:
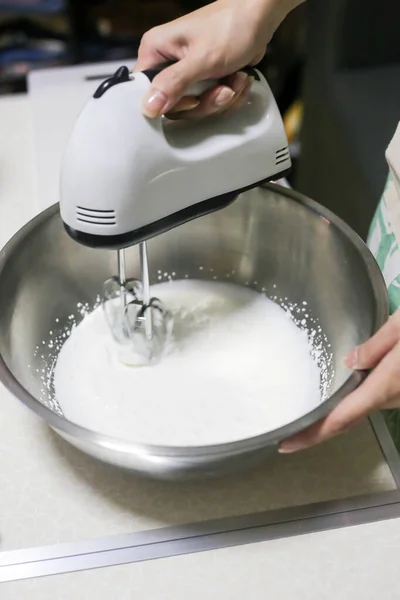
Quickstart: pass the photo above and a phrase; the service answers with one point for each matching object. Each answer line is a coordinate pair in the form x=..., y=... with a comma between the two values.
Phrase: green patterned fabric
x=383, y=245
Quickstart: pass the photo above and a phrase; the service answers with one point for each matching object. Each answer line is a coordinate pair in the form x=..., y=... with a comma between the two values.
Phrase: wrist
x=267, y=15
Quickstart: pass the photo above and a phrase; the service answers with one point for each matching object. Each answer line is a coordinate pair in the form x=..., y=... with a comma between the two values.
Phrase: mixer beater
x=136, y=320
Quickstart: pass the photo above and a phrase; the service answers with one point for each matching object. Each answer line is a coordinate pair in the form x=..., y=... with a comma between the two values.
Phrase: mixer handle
x=198, y=88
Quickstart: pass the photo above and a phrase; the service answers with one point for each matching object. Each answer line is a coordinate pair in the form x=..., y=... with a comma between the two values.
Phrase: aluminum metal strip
x=387, y=445
x=243, y=530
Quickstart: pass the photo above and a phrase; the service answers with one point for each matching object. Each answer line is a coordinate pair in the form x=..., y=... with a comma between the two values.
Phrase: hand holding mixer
x=126, y=178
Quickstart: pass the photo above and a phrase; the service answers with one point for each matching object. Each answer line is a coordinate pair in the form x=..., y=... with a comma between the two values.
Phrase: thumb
x=369, y=354
x=170, y=85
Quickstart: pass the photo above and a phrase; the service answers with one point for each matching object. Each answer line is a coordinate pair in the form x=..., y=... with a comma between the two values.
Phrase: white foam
x=238, y=366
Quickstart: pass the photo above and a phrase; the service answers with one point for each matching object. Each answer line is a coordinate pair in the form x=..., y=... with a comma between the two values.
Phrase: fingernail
x=190, y=104
x=185, y=104
x=240, y=81
x=154, y=103
x=290, y=448
x=351, y=359
x=224, y=97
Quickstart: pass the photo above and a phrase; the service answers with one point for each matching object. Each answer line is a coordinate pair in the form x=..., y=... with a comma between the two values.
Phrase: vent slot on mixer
x=96, y=216
x=282, y=155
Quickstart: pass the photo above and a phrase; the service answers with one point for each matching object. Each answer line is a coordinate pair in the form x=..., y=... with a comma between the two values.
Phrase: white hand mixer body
x=126, y=178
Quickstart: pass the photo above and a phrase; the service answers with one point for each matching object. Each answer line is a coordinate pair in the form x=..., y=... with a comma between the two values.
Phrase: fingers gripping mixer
x=126, y=178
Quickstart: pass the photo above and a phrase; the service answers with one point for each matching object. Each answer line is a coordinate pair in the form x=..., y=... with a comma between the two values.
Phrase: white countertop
x=358, y=561
x=17, y=167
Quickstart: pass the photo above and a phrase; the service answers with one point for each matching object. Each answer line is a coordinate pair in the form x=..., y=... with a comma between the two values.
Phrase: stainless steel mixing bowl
x=270, y=238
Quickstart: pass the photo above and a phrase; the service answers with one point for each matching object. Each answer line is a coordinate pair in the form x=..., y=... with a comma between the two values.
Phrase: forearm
x=269, y=14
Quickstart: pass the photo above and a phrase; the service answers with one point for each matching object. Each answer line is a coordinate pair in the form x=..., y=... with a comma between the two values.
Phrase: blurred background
x=334, y=67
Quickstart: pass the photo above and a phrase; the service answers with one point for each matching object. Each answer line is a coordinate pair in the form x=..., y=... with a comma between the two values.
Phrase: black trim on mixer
x=252, y=72
x=154, y=71
x=121, y=75
x=115, y=242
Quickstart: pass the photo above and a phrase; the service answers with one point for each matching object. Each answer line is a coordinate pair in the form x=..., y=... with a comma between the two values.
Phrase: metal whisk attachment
x=136, y=320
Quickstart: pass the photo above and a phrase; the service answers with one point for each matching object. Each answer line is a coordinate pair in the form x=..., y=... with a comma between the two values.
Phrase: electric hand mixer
x=126, y=178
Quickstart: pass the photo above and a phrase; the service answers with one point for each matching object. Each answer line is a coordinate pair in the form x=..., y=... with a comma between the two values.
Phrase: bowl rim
x=269, y=438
